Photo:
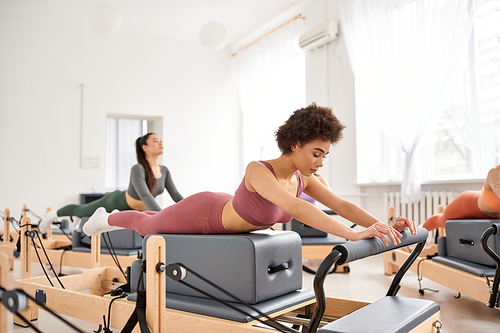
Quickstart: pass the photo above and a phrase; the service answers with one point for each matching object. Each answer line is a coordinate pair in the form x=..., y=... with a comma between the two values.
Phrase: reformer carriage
x=465, y=260
x=274, y=258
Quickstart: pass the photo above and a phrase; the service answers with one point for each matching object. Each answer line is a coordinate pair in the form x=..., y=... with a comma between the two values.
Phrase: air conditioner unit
x=319, y=35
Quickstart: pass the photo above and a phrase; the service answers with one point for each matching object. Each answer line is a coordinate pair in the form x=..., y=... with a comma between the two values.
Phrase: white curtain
x=120, y=150
x=263, y=89
x=404, y=55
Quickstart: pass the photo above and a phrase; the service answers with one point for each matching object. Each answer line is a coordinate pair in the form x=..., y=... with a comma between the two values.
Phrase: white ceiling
x=173, y=19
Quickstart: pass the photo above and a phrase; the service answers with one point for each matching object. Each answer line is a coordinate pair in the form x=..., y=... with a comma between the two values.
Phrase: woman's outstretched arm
x=263, y=181
x=170, y=186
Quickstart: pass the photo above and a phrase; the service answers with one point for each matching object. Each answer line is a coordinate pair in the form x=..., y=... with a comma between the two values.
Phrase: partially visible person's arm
x=170, y=186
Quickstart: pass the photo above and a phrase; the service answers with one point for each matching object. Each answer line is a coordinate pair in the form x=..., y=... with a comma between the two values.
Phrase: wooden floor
x=366, y=281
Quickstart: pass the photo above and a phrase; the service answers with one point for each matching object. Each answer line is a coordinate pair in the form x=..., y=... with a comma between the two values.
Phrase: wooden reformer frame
x=91, y=306
x=4, y=282
x=463, y=282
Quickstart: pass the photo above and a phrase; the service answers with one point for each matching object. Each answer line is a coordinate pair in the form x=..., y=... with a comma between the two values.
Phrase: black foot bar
x=494, y=295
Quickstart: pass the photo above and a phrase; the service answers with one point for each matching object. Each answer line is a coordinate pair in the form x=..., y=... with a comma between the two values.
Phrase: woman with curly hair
x=268, y=194
x=148, y=179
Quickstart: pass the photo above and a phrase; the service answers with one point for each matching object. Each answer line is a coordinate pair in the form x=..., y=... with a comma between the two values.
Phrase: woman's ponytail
x=141, y=159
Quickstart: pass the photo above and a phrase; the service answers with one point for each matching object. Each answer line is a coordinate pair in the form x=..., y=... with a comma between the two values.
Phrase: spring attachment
x=437, y=325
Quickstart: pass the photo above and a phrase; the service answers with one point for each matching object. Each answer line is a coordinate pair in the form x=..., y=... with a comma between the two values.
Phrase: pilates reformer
x=10, y=244
x=273, y=257
x=73, y=250
x=466, y=260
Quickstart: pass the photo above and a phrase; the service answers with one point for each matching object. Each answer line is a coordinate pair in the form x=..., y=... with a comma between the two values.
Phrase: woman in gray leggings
x=148, y=179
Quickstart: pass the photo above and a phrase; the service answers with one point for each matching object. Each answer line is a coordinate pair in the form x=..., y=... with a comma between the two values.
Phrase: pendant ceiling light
x=213, y=34
x=105, y=19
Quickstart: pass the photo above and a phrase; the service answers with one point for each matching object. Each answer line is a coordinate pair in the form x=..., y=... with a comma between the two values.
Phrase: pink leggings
x=464, y=206
x=199, y=213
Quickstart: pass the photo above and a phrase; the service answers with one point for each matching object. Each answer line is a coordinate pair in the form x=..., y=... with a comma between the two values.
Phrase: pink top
x=257, y=210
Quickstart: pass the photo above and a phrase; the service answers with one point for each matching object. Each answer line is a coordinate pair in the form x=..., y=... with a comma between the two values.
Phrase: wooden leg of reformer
x=95, y=257
x=6, y=227
x=6, y=237
x=31, y=312
x=25, y=248
x=95, y=250
x=4, y=282
x=49, y=232
x=156, y=285
x=441, y=231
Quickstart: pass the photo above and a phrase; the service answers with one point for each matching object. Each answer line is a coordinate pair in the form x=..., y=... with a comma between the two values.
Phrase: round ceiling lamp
x=213, y=35
x=105, y=19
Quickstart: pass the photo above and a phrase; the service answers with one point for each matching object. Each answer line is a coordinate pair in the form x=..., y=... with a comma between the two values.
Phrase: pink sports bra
x=257, y=210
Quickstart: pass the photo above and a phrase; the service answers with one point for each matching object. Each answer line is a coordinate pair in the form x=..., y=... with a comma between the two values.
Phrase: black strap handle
x=281, y=267
x=466, y=241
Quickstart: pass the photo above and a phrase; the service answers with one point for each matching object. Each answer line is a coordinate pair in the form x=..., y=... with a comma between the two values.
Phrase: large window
x=466, y=142
x=120, y=150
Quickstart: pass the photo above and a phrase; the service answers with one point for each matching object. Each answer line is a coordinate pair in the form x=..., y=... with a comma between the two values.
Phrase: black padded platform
x=306, y=231
x=209, y=307
x=62, y=229
x=390, y=314
x=125, y=242
x=466, y=266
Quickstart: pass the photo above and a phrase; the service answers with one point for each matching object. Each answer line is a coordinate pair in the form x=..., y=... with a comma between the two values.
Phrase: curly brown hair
x=306, y=125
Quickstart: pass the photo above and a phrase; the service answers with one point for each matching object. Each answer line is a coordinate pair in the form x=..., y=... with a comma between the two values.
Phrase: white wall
x=42, y=69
